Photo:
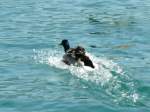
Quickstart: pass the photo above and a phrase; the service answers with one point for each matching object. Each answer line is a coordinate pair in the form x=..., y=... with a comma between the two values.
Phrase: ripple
x=107, y=75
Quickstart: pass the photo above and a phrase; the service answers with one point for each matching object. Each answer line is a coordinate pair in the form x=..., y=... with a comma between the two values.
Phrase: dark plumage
x=65, y=44
x=75, y=55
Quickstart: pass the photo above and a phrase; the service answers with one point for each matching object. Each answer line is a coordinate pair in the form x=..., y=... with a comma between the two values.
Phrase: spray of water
x=107, y=74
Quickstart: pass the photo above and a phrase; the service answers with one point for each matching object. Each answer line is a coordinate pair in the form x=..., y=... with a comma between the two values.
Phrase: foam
x=102, y=74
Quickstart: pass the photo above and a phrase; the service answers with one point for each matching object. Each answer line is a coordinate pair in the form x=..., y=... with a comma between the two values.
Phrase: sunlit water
x=115, y=34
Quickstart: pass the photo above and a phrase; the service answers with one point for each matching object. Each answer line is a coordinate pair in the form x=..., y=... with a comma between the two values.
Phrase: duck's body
x=75, y=56
x=69, y=58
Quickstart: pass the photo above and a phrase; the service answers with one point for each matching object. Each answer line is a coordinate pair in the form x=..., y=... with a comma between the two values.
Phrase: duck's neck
x=66, y=47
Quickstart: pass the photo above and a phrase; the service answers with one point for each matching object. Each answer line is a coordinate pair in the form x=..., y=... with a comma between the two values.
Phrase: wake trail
x=106, y=73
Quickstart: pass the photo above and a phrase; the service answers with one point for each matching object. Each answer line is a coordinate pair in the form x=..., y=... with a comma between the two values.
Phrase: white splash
x=101, y=74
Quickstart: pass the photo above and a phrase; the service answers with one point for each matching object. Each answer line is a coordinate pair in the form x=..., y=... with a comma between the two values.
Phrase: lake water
x=116, y=35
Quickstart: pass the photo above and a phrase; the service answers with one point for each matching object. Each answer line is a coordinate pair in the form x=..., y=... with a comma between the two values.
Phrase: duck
x=75, y=56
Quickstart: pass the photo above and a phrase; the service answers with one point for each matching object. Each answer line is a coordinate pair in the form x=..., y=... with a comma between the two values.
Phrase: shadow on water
x=93, y=19
x=113, y=20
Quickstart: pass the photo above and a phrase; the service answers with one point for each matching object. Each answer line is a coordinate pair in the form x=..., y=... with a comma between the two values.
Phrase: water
x=115, y=34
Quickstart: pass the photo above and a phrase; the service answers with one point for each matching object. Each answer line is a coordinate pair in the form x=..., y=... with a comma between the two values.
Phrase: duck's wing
x=87, y=61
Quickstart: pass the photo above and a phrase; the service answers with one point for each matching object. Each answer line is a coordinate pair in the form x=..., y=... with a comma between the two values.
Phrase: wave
x=107, y=74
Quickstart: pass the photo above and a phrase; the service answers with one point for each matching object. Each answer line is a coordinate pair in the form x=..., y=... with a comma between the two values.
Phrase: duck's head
x=65, y=44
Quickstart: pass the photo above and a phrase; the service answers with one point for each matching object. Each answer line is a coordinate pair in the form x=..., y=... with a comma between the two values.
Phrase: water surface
x=115, y=35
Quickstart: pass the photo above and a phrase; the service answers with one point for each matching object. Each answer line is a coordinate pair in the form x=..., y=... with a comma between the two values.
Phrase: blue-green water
x=115, y=33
